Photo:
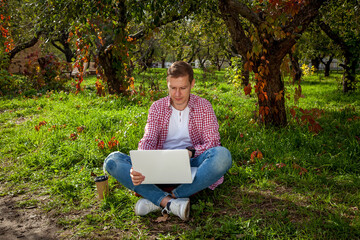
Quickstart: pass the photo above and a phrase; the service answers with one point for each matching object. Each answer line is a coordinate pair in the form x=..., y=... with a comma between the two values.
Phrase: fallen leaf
x=280, y=165
x=163, y=218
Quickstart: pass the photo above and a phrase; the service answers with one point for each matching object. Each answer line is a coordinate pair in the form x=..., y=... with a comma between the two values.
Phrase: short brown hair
x=180, y=69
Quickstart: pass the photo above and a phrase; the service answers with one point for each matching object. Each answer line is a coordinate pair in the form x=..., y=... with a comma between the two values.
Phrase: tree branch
x=57, y=46
x=304, y=17
x=244, y=11
x=240, y=41
x=335, y=37
x=25, y=45
x=164, y=21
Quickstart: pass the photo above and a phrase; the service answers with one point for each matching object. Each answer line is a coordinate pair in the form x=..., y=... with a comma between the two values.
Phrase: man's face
x=179, y=91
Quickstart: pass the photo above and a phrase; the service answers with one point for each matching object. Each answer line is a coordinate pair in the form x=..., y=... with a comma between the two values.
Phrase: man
x=178, y=121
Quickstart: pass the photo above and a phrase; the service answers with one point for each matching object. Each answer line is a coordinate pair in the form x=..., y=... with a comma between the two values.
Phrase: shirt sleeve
x=210, y=127
x=152, y=132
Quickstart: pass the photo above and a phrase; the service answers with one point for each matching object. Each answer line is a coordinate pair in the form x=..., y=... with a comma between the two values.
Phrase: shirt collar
x=190, y=103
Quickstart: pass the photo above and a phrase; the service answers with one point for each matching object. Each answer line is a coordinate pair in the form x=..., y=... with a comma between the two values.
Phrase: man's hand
x=190, y=153
x=136, y=177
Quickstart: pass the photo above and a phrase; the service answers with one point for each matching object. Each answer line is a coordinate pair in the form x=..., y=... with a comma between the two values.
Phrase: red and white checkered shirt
x=203, y=126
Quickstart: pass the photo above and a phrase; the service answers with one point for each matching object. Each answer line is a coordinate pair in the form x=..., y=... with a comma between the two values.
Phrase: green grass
x=270, y=198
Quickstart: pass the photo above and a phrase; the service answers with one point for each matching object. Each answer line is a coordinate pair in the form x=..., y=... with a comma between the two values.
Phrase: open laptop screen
x=163, y=166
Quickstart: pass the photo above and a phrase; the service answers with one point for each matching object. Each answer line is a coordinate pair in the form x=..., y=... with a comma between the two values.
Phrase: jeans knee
x=110, y=161
x=224, y=157
x=109, y=165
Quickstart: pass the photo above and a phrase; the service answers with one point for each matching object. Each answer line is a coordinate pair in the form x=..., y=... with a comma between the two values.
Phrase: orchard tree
x=28, y=22
x=272, y=30
x=340, y=20
x=105, y=26
x=216, y=39
x=17, y=30
x=318, y=47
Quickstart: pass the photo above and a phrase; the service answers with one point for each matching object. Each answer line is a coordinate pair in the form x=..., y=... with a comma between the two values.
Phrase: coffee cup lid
x=101, y=178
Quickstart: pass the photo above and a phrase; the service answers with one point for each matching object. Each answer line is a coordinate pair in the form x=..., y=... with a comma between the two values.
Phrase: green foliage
x=11, y=84
x=234, y=72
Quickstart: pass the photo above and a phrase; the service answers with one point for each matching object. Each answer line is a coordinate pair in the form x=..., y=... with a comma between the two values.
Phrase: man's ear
x=193, y=83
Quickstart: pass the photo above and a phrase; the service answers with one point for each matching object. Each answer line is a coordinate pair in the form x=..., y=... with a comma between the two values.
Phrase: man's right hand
x=136, y=177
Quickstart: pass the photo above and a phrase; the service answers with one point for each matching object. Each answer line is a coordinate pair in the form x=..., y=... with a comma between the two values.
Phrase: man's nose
x=177, y=92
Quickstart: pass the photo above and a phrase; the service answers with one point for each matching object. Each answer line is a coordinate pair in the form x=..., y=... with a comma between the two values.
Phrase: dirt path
x=24, y=222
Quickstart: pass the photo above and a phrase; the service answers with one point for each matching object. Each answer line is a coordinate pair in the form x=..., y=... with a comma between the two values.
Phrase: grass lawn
x=306, y=186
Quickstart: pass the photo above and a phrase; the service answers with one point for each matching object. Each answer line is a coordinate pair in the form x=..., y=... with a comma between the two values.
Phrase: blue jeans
x=212, y=165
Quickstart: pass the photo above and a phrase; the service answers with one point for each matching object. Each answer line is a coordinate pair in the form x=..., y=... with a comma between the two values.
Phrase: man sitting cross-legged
x=179, y=121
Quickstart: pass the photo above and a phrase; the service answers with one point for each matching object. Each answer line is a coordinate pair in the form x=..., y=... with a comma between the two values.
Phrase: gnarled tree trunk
x=108, y=62
x=270, y=87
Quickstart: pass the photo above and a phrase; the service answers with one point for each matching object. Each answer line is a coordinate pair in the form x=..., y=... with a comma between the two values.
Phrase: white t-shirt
x=178, y=134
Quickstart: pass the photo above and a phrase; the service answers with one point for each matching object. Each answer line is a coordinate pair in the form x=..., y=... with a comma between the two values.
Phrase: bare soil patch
x=26, y=222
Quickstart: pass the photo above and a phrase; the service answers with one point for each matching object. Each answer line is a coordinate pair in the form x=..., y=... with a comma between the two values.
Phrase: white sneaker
x=180, y=207
x=144, y=206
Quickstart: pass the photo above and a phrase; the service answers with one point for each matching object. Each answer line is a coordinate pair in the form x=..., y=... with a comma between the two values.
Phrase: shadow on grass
x=240, y=212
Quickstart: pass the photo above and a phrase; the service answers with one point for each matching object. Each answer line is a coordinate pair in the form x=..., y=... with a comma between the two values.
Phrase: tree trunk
x=272, y=108
x=349, y=75
x=316, y=63
x=109, y=64
x=245, y=75
x=295, y=67
x=327, y=66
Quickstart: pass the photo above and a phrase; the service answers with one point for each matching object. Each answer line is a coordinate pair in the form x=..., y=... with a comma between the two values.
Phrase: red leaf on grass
x=256, y=154
x=73, y=136
x=280, y=165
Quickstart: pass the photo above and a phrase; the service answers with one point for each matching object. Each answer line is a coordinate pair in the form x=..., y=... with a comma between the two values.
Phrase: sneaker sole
x=187, y=212
x=135, y=209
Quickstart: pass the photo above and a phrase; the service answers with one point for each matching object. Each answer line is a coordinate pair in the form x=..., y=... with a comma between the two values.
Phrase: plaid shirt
x=203, y=126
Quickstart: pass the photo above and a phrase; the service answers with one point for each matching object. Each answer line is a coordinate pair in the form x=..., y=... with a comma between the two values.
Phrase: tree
x=274, y=27
x=13, y=23
x=112, y=20
x=340, y=21
x=317, y=46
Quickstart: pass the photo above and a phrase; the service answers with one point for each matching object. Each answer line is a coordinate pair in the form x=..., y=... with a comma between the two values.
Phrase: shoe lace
x=165, y=210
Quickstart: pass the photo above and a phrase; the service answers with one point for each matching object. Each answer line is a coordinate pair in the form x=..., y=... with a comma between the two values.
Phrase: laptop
x=163, y=166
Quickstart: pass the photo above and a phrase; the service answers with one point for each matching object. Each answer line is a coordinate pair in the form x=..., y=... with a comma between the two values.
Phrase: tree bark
x=245, y=75
x=276, y=106
x=295, y=67
x=116, y=84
